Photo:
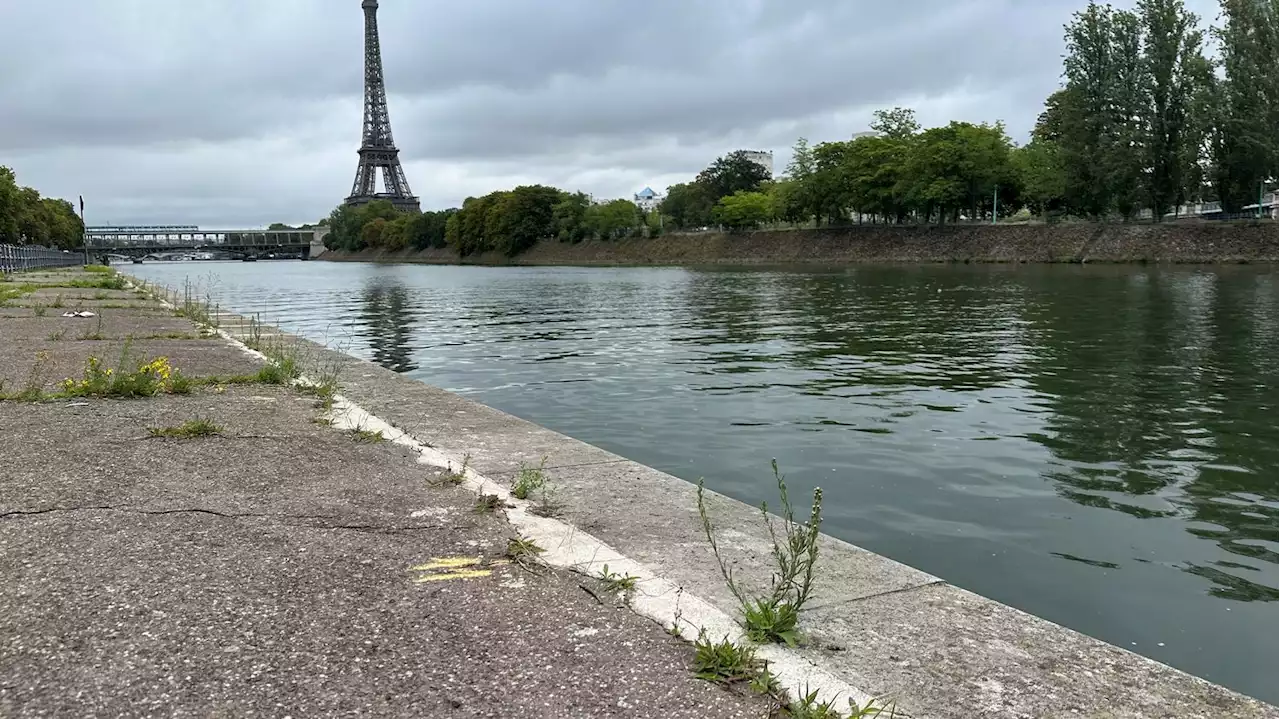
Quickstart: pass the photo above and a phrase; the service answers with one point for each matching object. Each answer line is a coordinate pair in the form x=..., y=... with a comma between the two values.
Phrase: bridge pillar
x=317, y=242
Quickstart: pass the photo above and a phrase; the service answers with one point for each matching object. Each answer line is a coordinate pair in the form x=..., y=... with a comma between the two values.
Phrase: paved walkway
x=277, y=568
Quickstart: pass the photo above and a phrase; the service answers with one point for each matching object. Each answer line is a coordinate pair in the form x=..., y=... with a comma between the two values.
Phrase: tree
x=1038, y=165
x=1244, y=143
x=371, y=233
x=529, y=217
x=568, y=217
x=898, y=123
x=612, y=220
x=743, y=210
x=277, y=226
x=9, y=204
x=732, y=173
x=688, y=205
x=1172, y=47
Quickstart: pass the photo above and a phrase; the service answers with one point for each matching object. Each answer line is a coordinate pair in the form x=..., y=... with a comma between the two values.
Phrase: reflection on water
x=1093, y=445
x=385, y=324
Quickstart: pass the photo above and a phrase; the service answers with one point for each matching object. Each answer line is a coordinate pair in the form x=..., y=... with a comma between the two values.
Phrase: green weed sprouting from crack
x=523, y=551
x=774, y=617
x=615, y=582
x=367, y=436
x=723, y=662
x=487, y=504
x=529, y=479
x=451, y=477
x=57, y=335
x=191, y=428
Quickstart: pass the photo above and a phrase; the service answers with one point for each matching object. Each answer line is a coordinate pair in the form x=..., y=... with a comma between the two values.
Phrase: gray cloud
x=244, y=112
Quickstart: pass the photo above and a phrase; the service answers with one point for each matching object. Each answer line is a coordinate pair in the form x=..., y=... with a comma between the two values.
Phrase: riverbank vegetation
x=26, y=218
x=1154, y=114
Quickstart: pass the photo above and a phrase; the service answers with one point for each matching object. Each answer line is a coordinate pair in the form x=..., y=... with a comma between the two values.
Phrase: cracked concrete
x=280, y=568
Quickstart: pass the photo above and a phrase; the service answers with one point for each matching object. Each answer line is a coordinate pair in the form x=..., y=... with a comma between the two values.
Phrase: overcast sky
x=238, y=113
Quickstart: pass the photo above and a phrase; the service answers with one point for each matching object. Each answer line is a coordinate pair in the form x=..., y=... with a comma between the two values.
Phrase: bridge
x=143, y=240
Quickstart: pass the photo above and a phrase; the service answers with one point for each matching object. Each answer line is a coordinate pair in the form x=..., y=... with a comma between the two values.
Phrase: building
x=647, y=199
x=763, y=158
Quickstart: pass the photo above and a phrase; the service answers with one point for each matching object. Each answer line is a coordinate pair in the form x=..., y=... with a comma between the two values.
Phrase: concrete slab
x=68, y=294
x=945, y=652
x=115, y=324
x=21, y=363
x=120, y=613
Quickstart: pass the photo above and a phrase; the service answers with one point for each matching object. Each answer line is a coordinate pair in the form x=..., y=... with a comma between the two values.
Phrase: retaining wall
x=1181, y=242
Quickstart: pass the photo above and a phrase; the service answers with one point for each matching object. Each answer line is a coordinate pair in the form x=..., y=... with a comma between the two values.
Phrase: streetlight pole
x=995, y=204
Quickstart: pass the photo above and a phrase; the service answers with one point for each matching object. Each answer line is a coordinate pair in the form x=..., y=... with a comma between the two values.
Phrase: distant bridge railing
x=15, y=258
x=160, y=237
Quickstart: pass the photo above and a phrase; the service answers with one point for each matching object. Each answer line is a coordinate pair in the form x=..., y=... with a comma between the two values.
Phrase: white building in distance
x=647, y=199
x=763, y=158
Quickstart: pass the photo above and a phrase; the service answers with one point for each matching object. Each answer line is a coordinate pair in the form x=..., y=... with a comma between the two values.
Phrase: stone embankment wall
x=1181, y=242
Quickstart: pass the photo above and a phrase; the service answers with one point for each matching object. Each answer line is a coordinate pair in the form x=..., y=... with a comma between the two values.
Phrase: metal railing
x=15, y=258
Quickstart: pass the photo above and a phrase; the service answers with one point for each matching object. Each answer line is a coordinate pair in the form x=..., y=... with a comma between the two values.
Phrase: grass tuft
x=366, y=436
x=487, y=504
x=617, y=582
x=521, y=550
x=191, y=428
x=723, y=662
x=100, y=269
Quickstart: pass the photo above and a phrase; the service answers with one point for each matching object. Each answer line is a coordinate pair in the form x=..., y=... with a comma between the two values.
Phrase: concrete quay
x=269, y=570
x=277, y=568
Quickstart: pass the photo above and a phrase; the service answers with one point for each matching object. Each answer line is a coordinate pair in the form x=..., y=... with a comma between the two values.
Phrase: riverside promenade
x=278, y=567
x=278, y=529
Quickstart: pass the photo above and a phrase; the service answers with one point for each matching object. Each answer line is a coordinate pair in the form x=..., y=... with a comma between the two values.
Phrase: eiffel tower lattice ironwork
x=377, y=148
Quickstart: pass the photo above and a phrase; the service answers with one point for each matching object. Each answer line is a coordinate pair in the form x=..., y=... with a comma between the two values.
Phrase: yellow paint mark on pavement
x=442, y=568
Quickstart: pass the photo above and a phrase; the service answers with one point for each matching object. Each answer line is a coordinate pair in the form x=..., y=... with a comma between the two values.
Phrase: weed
x=323, y=421
x=100, y=269
x=147, y=379
x=807, y=706
x=774, y=617
x=617, y=582
x=277, y=371
x=520, y=550
x=110, y=282
x=723, y=662
x=33, y=390
x=58, y=302
x=874, y=709
x=367, y=436
x=191, y=428
x=487, y=504
x=15, y=291
x=96, y=334
x=766, y=682
x=57, y=335
x=101, y=296
x=180, y=383
x=39, y=310
x=528, y=480
x=547, y=504
x=458, y=477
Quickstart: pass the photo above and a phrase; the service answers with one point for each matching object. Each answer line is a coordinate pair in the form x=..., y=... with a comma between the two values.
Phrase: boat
x=250, y=258
x=137, y=260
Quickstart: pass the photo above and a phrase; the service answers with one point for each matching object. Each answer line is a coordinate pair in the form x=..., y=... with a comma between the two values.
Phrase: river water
x=1094, y=445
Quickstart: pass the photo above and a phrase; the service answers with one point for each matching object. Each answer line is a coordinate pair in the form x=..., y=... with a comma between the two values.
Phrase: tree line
x=26, y=218
x=1154, y=113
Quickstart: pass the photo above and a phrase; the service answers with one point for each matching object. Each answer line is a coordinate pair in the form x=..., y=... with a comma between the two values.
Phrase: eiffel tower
x=377, y=148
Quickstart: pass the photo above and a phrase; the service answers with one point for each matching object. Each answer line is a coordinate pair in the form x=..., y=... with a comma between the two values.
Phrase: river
x=1095, y=445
